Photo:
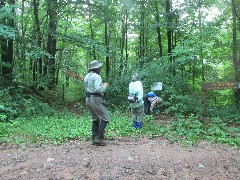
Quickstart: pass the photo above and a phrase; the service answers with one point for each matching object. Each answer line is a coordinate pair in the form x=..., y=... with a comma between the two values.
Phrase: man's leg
x=101, y=113
x=146, y=105
x=95, y=126
x=134, y=117
x=139, y=114
x=99, y=138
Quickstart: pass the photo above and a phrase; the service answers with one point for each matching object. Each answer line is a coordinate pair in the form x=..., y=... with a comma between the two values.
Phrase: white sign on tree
x=156, y=86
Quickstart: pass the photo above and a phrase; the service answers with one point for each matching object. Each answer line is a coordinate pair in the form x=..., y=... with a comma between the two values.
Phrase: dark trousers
x=147, y=105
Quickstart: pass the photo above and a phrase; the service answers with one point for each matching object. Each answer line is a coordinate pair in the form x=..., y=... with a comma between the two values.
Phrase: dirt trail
x=122, y=159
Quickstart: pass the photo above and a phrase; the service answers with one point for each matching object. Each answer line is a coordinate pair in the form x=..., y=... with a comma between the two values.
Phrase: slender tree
x=93, y=54
x=38, y=34
x=236, y=61
x=123, y=37
x=7, y=45
x=52, y=42
x=234, y=40
x=142, y=33
x=107, y=37
x=159, y=36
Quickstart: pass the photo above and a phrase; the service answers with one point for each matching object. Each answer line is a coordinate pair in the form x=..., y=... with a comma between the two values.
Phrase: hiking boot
x=99, y=142
x=134, y=124
x=138, y=125
x=99, y=138
x=95, y=126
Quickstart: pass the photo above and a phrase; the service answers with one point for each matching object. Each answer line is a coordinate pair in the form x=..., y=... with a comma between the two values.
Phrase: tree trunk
x=201, y=41
x=34, y=71
x=170, y=35
x=38, y=34
x=234, y=43
x=126, y=40
x=159, y=37
x=169, y=31
x=7, y=48
x=107, y=49
x=93, y=54
x=123, y=30
x=22, y=51
x=236, y=64
x=51, y=44
x=142, y=34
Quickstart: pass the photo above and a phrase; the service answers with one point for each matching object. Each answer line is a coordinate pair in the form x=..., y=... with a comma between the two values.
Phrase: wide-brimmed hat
x=95, y=64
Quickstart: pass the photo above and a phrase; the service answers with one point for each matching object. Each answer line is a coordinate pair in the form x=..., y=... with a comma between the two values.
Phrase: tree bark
x=201, y=40
x=126, y=39
x=22, y=51
x=123, y=36
x=7, y=47
x=159, y=37
x=107, y=50
x=51, y=44
x=38, y=34
x=142, y=34
x=234, y=43
x=91, y=29
x=169, y=22
x=236, y=64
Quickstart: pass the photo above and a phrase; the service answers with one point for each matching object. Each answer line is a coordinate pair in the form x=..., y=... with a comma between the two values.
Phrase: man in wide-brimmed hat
x=95, y=90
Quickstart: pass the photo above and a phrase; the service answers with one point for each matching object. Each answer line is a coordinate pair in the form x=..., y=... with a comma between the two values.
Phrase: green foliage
x=154, y=71
x=219, y=131
x=62, y=127
x=17, y=101
x=4, y=132
x=176, y=103
x=229, y=114
x=37, y=53
x=5, y=30
x=6, y=112
x=73, y=92
x=118, y=91
x=53, y=129
x=191, y=130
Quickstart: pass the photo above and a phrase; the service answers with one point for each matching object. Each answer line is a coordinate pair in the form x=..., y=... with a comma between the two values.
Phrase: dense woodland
x=47, y=45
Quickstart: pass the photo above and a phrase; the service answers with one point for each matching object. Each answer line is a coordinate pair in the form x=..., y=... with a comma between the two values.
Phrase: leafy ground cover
x=58, y=146
x=62, y=127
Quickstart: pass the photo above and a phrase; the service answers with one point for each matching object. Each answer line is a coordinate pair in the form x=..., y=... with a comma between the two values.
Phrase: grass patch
x=63, y=127
x=60, y=128
x=191, y=131
x=48, y=129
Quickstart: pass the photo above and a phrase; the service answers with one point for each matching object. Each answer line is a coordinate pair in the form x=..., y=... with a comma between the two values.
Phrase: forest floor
x=121, y=159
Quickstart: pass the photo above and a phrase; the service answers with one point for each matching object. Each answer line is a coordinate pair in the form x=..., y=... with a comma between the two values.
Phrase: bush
x=21, y=101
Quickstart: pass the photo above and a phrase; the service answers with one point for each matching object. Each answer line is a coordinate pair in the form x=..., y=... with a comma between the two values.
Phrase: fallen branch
x=72, y=74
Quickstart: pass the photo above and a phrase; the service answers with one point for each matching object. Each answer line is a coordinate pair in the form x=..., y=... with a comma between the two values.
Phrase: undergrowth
x=19, y=101
x=62, y=127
